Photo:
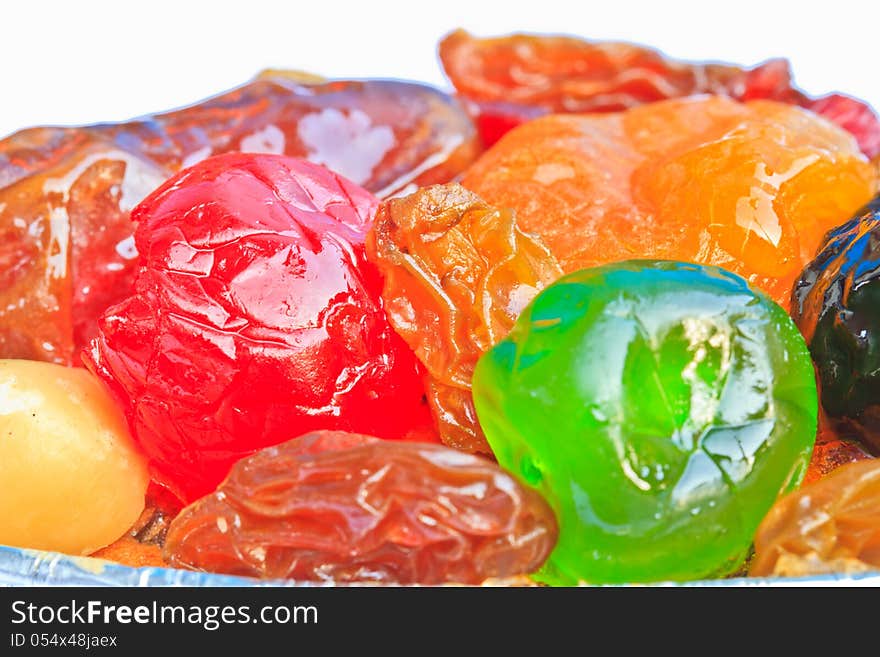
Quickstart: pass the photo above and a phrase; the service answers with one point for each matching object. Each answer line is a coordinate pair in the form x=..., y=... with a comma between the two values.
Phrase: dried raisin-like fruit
x=256, y=317
x=347, y=507
x=457, y=274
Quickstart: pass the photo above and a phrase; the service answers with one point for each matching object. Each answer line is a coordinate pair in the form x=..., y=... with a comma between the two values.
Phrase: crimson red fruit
x=255, y=318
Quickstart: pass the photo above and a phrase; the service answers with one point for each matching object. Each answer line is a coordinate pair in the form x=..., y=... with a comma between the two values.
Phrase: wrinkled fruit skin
x=457, y=272
x=66, y=248
x=830, y=526
x=836, y=304
x=660, y=408
x=344, y=507
x=749, y=187
x=510, y=80
x=256, y=318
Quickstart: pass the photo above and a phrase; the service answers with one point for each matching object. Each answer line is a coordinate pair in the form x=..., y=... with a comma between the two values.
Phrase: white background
x=85, y=62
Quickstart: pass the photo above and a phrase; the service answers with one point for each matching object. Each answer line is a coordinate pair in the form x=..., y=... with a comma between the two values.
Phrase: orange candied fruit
x=751, y=187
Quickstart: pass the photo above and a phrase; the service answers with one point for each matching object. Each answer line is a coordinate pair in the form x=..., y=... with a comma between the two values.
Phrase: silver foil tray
x=35, y=568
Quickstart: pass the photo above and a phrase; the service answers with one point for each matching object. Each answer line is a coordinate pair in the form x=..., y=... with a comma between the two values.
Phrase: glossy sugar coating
x=457, y=272
x=749, y=187
x=66, y=247
x=660, y=408
x=829, y=526
x=509, y=80
x=256, y=317
x=836, y=304
x=344, y=507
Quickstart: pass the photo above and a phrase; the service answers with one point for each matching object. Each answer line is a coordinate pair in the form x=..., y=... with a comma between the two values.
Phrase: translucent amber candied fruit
x=832, y=525
x=751, y=187
x=66, y=247
x=346, y=507
x=457, y=273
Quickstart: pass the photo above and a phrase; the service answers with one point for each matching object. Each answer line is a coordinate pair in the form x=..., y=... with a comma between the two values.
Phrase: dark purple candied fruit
x=836, y=304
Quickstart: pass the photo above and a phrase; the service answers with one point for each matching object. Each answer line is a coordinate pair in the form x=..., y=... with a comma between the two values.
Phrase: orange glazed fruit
x=751, y=187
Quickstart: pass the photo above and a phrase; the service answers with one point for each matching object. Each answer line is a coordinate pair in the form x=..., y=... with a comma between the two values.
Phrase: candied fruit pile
x=597, y=316
x=66, y=238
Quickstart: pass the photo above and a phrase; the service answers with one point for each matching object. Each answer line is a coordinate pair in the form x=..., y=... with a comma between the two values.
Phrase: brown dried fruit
x=343, y=507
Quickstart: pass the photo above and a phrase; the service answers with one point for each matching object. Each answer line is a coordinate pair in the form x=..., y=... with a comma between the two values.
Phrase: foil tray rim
x=23, y=567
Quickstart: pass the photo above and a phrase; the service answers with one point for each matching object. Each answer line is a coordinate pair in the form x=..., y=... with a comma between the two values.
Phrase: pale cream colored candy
x=71, y=478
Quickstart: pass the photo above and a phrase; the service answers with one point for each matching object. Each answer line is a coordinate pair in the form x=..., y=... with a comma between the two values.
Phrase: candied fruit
x=71, y=477
x=832, y=525
x=256, y=317
x=345, y=507
x=66, y=247
x=660, y=408
x=751, y=187
x=457, y=273
x=836, y=304
x=509, y=80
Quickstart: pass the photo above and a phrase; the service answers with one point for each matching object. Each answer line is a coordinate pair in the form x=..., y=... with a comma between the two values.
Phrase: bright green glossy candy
x=660, y=407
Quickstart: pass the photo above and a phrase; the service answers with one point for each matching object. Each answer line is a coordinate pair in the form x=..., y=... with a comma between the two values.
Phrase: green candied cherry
x=660, y=407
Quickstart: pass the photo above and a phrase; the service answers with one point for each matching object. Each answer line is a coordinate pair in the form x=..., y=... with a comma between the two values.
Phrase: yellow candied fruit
x=71, y=478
